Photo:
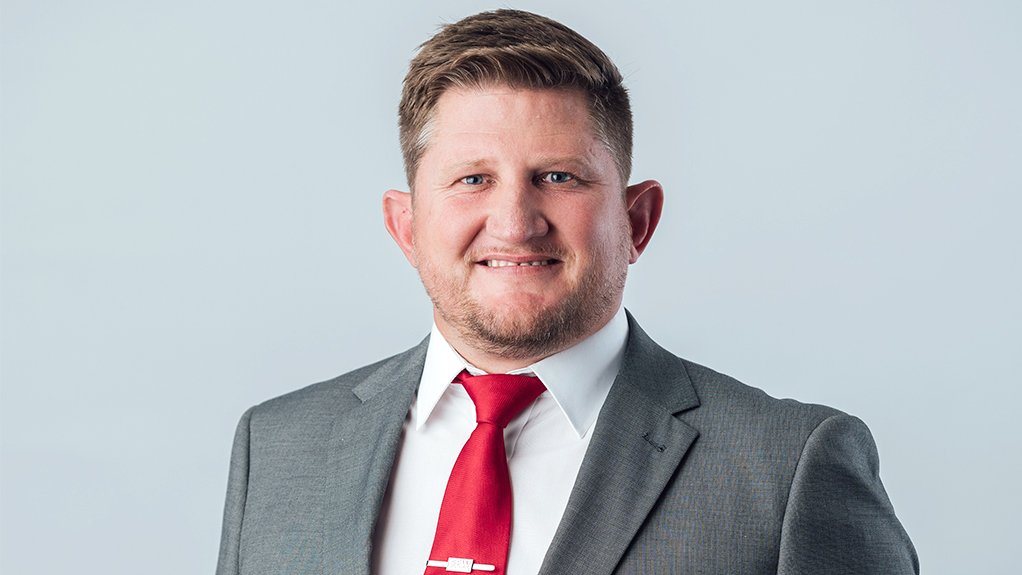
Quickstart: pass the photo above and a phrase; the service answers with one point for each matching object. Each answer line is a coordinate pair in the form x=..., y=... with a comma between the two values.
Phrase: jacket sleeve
x=234, y=508
x=838, y=518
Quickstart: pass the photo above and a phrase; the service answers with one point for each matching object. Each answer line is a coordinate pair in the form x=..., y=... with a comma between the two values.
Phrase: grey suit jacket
x=688, y=472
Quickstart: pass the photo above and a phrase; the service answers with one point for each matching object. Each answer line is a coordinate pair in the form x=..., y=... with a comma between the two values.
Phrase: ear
x=645, y=202
x=397, y=216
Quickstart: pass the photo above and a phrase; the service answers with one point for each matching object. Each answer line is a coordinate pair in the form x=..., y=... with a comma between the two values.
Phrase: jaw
x=507, y=317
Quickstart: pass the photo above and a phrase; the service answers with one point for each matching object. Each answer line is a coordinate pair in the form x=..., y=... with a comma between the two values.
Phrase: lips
x=497, y=263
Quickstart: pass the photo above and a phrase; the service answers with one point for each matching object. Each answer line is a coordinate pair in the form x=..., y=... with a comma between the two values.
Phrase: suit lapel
x=636, y=448
x=362, y=449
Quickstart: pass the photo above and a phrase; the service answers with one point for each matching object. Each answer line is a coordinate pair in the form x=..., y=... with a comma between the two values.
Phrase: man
x=538, y=429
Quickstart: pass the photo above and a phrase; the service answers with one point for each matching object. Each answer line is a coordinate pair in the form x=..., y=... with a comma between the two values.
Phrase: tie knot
x=499, y=397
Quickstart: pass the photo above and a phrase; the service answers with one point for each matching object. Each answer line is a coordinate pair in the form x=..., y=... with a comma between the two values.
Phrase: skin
x=518, y=176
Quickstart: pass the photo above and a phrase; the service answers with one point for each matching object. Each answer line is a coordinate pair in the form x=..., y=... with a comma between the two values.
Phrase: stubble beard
x=535, y=333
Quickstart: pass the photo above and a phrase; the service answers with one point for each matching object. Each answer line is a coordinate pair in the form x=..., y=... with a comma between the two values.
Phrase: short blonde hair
x=520, y=50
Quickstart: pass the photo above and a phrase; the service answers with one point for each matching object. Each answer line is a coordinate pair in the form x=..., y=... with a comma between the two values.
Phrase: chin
x=526, y=324
x=515, y=302
x=526, y=328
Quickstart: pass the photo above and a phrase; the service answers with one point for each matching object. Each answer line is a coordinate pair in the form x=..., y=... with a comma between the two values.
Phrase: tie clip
x=460, y=565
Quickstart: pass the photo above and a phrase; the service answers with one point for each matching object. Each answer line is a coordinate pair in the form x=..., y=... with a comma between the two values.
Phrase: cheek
x=444, y=234
x=599, y=230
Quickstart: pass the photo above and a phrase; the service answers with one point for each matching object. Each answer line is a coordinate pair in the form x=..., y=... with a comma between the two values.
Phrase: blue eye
x=557, y=177
x=473, y=180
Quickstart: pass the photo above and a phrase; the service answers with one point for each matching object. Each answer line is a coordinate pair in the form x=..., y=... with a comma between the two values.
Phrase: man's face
x=519, y=223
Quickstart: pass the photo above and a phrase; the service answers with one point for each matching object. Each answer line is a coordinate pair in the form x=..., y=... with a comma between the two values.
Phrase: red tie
x=474, y=529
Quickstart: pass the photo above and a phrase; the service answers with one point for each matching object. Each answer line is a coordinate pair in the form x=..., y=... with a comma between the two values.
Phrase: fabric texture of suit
x=688, y=471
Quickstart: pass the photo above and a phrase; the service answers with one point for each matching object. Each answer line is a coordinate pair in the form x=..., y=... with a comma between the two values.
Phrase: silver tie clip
x=460, y=565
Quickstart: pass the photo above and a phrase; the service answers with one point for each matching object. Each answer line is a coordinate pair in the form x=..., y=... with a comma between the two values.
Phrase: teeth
x=505, y=264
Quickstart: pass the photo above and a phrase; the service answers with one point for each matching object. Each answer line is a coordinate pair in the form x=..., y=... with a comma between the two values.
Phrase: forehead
x=501, y=123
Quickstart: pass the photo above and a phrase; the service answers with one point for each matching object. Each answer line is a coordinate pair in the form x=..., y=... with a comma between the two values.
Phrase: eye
x=557, y=177
x=473, y=180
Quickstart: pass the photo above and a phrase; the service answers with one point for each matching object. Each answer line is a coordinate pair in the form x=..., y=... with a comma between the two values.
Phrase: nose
x=515, y=214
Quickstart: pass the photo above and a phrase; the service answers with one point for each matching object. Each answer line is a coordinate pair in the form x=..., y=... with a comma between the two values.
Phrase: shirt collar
x=578, y=378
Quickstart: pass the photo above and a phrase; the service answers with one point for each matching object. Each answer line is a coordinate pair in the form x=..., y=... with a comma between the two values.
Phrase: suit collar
x=637, y=446
x=659, y=375
x=396, y=373
x=363, y=446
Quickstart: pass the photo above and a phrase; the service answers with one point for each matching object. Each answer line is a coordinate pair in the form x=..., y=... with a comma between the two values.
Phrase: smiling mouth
x=509, y=264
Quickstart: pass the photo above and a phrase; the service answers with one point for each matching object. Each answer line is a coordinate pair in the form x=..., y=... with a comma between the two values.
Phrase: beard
x=519, y=332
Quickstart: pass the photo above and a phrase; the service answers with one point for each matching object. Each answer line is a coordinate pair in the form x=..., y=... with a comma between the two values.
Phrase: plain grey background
x=191, y=224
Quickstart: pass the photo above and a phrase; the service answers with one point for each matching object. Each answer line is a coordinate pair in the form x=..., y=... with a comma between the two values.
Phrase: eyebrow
x=469, y=165
x=580, y=163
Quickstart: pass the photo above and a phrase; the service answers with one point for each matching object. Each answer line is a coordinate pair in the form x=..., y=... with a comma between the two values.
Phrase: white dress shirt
x=545, y=446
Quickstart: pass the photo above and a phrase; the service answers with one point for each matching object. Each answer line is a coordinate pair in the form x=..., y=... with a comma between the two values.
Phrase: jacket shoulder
x=327, y=398
x=729, y=403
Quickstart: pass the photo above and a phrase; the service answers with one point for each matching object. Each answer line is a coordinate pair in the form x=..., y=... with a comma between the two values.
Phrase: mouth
x=507, y=260
x=508, y=264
